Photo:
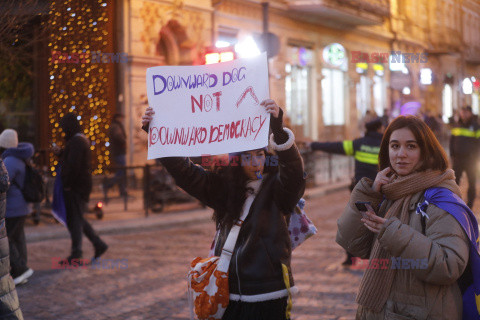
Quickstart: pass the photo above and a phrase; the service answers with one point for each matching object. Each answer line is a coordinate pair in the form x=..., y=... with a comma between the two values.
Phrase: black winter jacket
x=365, y=150
x=263, y=244
x=118, y=139
x=76, y=166
x=9, y=305
x=465, y=140
x=76, y=159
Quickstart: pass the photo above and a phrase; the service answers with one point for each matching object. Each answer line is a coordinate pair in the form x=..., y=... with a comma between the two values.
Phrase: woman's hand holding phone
x=363, y=207
x=370, y=220
x=385, y=176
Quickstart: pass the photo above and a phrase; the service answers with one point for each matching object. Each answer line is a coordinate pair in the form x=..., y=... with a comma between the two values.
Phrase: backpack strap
x=424, y=224
x=229, y=246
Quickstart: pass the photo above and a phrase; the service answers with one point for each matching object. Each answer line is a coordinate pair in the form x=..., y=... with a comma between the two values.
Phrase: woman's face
x=404, y=152
x=253, y=163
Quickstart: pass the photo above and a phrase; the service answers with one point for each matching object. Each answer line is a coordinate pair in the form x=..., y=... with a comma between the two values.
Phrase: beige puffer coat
x=428, y=291
x=9, y=305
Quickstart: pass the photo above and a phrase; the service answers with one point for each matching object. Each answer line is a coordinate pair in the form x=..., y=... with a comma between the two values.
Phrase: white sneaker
x=23, y=277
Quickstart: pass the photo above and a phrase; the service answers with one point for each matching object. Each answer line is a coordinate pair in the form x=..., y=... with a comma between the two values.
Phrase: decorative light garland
x=78, y=30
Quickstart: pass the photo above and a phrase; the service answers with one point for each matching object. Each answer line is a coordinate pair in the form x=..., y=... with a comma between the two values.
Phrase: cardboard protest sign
x=208, y=109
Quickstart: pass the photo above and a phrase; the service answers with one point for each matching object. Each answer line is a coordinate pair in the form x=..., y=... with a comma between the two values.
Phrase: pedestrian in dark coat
x=364, y=150
x=9, y=305
x=15, y=158
x=75, y=161
x=465, y=150
x=118, y=152
x=260, y=277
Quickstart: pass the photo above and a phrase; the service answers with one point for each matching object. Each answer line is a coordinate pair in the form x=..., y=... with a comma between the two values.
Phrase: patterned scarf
x=376, y=283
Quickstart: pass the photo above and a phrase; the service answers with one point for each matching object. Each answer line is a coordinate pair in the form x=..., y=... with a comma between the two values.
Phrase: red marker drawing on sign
x=244, y=95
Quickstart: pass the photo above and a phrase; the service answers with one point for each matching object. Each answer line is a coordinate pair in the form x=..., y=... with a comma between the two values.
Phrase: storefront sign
x=379, y=69
x=210, y=109
x=334, y=54
x=361, y=67
x=300, y=56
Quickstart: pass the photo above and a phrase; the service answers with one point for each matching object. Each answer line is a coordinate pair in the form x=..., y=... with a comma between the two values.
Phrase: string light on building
x=80, y=29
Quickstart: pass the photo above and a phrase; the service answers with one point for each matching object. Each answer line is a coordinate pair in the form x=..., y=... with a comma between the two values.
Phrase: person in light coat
x=414, y=265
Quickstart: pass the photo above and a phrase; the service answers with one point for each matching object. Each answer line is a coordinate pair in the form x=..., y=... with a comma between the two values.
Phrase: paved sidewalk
x=116, y=220
x=153, y=285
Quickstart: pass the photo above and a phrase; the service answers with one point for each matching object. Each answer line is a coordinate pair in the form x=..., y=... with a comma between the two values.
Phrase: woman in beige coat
x=413, y=269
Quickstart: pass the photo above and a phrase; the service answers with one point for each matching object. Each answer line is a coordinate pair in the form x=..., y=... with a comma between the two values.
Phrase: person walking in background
x=413, y=217
x=9, y=305
x=431, y=122
x=15, y=155
x=75, y=162
x=118, y=151
x=364, y=150
x=386, y=117
x=464, y=150
x=369, y=116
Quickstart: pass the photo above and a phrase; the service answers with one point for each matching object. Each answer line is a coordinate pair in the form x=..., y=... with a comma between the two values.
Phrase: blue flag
x=58, y=202
x=469, y=283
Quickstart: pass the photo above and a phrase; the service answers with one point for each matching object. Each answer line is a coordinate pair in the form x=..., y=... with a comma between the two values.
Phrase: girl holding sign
x=260, y=279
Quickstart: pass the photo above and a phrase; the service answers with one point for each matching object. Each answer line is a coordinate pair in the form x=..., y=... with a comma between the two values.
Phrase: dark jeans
x=469, y=165
x=120, y=176
x=17, y=245
x=75, y=207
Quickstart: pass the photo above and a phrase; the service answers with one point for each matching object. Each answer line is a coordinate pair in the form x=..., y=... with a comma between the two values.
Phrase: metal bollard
x=125, y=196
x=146, y=188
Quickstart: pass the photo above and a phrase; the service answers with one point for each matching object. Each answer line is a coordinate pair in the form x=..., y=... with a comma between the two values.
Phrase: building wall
x=142, y=22
x=446, y=29
x=246, y=16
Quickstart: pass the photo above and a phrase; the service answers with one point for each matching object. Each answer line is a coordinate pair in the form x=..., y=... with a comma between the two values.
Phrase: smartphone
x=364, y=206
x=391, y=173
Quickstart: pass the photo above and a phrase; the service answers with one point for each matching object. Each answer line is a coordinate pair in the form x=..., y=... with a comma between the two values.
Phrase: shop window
x=333, y=97
x=298, y=90
x=447, y=102
x=226, y=37
x=379, y=95
x=363, y=96
x=475, y=107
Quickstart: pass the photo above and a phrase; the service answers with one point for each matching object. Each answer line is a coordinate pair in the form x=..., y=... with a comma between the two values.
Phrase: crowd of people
x=414, y=212
x=76, y=177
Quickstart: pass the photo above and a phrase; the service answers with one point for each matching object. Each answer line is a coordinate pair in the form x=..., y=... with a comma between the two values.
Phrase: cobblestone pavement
x=154, y=287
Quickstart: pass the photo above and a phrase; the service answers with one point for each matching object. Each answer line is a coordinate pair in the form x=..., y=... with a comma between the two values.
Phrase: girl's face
x=253, y=163
x=404, y=152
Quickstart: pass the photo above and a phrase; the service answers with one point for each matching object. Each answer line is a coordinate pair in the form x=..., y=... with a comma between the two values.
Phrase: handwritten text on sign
x=210, y=109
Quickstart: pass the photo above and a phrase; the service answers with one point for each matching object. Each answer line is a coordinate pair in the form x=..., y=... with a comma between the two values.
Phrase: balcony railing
x=347, y=12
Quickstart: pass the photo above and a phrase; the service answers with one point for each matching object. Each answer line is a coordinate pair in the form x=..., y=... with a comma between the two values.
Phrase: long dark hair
x=432, y=154
x=236, y=185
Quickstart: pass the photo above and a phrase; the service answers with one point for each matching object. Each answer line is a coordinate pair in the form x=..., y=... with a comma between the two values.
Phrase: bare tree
x=20, y=27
